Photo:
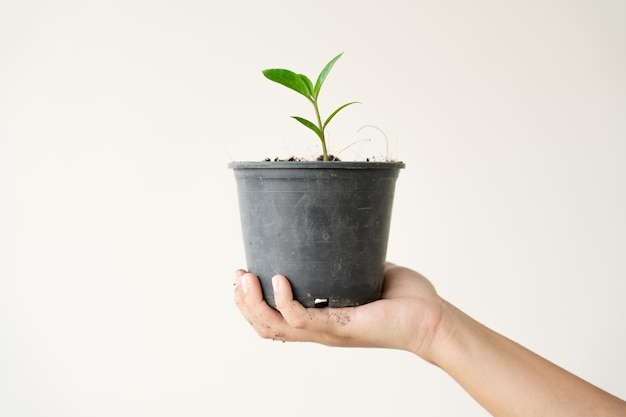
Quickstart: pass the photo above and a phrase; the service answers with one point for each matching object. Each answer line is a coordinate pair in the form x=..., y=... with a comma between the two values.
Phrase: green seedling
x=303, y=85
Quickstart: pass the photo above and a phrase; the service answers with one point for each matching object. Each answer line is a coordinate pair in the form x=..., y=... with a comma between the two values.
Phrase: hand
x=407, y=316
x=503, y=376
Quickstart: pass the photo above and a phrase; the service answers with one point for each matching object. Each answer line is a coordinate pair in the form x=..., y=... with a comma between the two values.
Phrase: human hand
x=407, y=317
x=503, y=376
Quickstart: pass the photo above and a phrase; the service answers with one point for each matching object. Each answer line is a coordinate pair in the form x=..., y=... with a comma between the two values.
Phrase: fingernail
x=276, y=283
x=245, y=283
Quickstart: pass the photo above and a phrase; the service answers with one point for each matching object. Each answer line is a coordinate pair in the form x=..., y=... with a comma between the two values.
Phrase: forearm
x=508, y=379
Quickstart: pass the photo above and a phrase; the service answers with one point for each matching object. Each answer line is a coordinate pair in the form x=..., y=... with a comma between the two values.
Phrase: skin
x=503, y=376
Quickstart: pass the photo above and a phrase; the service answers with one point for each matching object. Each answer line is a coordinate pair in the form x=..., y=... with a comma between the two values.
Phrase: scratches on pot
x=301, y=201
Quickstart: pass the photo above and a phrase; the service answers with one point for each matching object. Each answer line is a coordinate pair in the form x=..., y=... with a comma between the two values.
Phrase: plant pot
x=324, y=225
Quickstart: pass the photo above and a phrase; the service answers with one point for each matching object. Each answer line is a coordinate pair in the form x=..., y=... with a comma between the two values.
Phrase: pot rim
x=316, y=164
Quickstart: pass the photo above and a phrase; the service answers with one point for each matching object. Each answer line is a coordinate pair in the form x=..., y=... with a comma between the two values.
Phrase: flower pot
x=324, y=225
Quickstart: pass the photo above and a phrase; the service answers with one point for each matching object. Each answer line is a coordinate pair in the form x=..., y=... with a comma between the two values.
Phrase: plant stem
x=321, y=127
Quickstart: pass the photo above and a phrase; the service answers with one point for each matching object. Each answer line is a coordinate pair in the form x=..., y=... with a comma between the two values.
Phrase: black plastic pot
x=324, y=225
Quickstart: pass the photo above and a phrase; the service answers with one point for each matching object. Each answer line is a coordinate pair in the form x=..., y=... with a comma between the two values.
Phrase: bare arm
x=510, y=380
x=504, y=377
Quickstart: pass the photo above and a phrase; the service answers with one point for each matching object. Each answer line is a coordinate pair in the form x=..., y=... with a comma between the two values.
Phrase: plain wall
x=119, y=228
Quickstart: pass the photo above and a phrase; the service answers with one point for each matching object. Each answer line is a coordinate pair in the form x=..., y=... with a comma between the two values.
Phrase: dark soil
x=295, y=159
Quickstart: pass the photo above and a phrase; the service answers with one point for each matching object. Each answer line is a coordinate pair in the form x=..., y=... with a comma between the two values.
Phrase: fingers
x=329, y=326
x=267, y=322
x=294, y=313
x=290, y=321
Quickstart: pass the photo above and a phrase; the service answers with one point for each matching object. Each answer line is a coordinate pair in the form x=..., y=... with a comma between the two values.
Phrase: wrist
x=444, y=335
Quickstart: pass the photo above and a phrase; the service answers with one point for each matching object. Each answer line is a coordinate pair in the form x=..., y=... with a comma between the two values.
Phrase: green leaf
x=323, y=75
x=289, y=79
x=309, y=84
x=337, y=111
x=310, y=125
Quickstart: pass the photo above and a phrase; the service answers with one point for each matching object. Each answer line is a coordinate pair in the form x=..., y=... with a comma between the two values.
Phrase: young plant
x=303, y=85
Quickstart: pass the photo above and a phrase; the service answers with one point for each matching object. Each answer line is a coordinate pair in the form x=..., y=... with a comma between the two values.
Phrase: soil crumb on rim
x=297, y=159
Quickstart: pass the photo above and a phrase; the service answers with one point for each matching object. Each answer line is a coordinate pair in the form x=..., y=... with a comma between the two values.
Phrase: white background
x=119, y=227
